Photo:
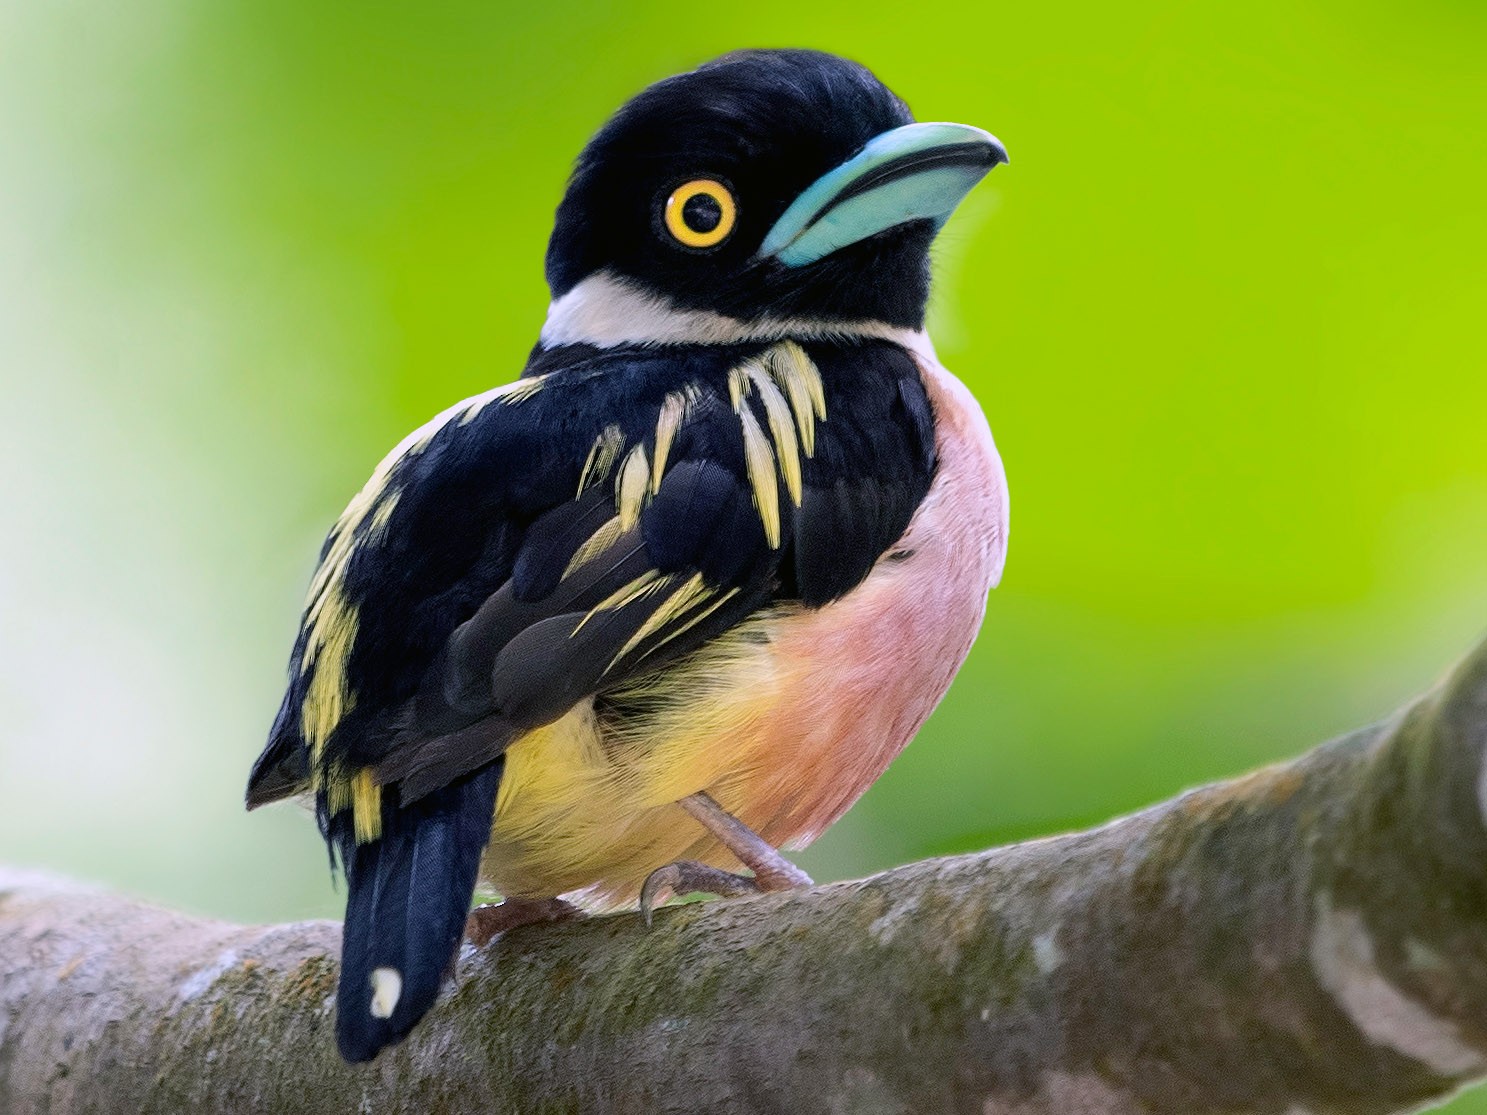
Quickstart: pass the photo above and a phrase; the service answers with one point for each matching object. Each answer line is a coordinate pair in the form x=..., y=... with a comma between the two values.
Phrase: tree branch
x=1309, y=938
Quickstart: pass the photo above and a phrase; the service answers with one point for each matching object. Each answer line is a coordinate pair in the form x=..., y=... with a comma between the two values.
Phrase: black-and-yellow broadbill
x=675, y=597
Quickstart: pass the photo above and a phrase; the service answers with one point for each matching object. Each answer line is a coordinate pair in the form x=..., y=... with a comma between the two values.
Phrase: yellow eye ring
x=689, y=224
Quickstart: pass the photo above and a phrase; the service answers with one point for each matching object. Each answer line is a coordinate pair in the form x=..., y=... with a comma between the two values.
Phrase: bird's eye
x=700, y=213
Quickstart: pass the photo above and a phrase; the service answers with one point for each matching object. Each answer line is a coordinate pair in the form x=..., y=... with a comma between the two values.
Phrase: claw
x=659, y=885
x=690, y=877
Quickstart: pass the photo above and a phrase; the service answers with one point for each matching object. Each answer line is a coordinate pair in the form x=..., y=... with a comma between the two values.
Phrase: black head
x=682, y=194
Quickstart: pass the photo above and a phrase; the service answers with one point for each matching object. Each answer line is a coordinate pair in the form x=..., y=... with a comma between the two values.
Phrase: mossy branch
x=1310, y=938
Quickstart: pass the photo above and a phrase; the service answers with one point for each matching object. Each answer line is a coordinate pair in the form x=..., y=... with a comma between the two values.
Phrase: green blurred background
x=1224, y=309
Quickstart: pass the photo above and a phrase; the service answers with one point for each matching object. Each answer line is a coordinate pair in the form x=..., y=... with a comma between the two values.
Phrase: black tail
x=408, y=897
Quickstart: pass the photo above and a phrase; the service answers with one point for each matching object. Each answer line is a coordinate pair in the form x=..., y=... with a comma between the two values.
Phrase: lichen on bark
x=1307, y=938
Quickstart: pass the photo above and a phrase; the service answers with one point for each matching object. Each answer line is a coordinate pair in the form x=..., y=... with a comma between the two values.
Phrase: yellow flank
x=602, y=455
x=591, y=796
x=631, y=486
x=761, y=464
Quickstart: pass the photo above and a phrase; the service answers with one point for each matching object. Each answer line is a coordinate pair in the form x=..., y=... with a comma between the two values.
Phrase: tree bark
x=1309, y=938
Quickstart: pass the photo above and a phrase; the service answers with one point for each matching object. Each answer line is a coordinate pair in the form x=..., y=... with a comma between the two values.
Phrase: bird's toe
x=489, y=921
x=690, y=877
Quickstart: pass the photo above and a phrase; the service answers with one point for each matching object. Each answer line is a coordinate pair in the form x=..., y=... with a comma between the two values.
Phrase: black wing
x=609, y=512
x=535, y=544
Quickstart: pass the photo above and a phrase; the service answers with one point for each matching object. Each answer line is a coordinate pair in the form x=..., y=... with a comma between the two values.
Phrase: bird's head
x=763, y=190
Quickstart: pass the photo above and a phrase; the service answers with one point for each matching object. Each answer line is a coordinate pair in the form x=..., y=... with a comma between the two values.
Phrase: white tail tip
x=387, y=987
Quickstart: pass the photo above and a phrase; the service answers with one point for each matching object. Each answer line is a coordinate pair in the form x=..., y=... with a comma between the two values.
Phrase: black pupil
x=701, y=212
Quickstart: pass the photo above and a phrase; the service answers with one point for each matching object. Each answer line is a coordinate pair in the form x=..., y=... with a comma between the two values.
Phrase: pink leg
x=771, y=871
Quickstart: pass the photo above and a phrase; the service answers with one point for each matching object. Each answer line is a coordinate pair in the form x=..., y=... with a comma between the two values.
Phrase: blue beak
x=917, y=172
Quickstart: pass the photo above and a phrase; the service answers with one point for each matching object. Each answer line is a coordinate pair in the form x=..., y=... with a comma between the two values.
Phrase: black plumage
x=489, y=511
x=465, y=622
x=408, y=894
x=623, y=503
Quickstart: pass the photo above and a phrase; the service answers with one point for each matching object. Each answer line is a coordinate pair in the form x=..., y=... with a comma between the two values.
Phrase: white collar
x=604, y=310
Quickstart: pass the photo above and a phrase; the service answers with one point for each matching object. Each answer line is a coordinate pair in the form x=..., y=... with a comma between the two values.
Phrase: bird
x=675, y=597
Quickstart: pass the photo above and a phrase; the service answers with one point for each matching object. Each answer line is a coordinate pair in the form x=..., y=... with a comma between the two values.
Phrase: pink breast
x=872, y=666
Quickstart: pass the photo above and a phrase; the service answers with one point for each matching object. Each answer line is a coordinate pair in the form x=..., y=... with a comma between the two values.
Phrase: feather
x=408, y=896
x=283, y=769
x=760, y=461
x=631, y=487
x=781, y=428
x=502, y=576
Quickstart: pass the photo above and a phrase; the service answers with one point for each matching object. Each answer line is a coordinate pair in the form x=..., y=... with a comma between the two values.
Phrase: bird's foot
x=690, y=877
x=489, y=921
x=771, y=871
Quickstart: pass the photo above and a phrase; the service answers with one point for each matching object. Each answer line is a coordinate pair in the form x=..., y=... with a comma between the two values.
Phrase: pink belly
x=876, y=663
x=786, y=731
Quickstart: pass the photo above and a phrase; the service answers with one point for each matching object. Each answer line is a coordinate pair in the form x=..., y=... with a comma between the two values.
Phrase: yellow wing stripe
x=602, y=455
x=691, y=592
x=331, y=622
x=793, y=399
x=631, y=486
x=801, y=382
x=760, y=462
x=781, y=428
x=363, y=796
x=328, y=697
x=674, y=410
x=601, y=540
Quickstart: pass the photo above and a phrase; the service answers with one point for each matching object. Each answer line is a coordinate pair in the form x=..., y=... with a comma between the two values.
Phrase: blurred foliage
x=1223, y=309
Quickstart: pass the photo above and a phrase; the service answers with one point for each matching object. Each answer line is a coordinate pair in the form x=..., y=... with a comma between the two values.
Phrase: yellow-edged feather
x=673, y=413
x=799, y=378
x=628, y=593
x=602, y=455
x=631, y=486
x=601, y=540
x=781, y=428
x=760, y=461
x=689, y=594
x=331, y=620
